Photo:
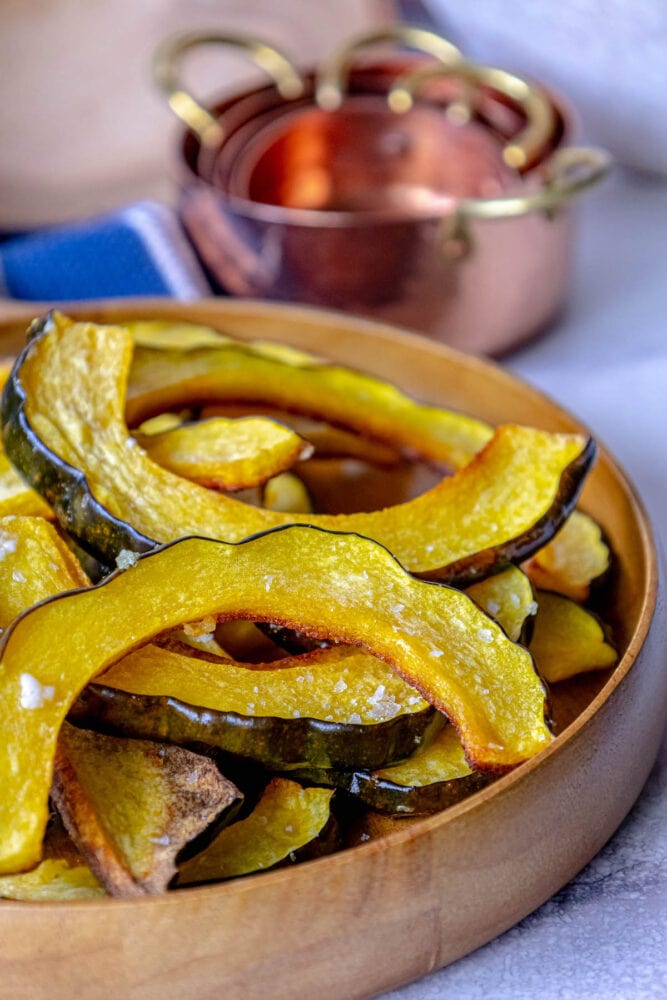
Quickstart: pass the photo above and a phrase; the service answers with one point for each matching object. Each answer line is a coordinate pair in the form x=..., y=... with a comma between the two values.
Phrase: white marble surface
x=604, y=936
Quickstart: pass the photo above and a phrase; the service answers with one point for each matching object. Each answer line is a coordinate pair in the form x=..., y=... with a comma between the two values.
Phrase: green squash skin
x=391, y=799
x=103, y=535
x=480, y=565
x=278, y=744
x=63, y=487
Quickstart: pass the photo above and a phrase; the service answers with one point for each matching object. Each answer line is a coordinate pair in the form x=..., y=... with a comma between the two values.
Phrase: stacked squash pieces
x=399, y=657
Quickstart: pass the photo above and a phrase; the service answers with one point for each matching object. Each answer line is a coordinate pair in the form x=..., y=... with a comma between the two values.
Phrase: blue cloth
x=138, y=250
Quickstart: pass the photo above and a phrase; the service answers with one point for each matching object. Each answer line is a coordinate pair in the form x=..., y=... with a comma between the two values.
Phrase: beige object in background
x=385, y=912
x=82, y=127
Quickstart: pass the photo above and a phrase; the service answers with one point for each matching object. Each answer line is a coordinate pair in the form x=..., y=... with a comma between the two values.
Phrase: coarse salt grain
x=8, y=544
x=377, y=694
x=126, y=558
x=34, y=694
x=485, y=635
x=340, y=686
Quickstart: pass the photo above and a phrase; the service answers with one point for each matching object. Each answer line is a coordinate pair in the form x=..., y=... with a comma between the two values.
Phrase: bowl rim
x=111, y=310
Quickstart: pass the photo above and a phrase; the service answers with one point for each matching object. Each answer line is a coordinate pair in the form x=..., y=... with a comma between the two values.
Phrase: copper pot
x=433, y=194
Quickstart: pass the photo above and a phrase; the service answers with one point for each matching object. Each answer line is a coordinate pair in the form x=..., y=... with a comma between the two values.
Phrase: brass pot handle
x=331, y=81
x=570, y=172
x=536, y=106
x=167, y=75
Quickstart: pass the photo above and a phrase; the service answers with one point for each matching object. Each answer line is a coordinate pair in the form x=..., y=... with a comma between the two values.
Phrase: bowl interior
x=434, y=373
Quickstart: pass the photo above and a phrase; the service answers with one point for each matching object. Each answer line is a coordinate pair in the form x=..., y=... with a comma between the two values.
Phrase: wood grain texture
x=390, y=910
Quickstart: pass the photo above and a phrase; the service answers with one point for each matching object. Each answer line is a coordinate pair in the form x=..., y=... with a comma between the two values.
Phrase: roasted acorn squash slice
x=166, y=374
x=433, y=778
x=15, y=496
x=568, y=640
x=576, y=557
x=508, y=598
x=287, y=493
x=335, y=707
x=341, y=587
x=328, y=441
x=131, y=805
x=226, y=454
x=64, y=429
x=288, y=824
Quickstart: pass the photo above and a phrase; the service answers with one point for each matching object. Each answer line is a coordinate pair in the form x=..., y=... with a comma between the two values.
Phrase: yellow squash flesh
x=226, y=454
x=507, y=492
x=570, y=562
x=568, y=640
x=53, y=880
x=443, y=760
x=328, y=441
x=15, y=496
x=340, y=587
x=508, y=598
x=287, y=493
x=167, y=374
x=35, y=564
x=286, y=818
x=332, y=684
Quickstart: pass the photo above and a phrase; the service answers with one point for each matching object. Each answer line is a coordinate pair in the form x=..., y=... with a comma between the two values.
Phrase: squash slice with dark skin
x=341, y=587
x=131, y=806
x=168, y=373
x=64, y=429
x=36, y=564
x=336, y=707
x=574, y=559
x=226, y=454
x=433, y=778
x=568, y=640
x=288, y=824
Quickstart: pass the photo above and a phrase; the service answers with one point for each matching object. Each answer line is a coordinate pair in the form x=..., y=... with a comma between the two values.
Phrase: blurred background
x=84, y=130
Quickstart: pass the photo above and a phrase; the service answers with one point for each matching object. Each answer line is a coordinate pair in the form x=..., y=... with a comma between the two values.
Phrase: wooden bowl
x=385, y=912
